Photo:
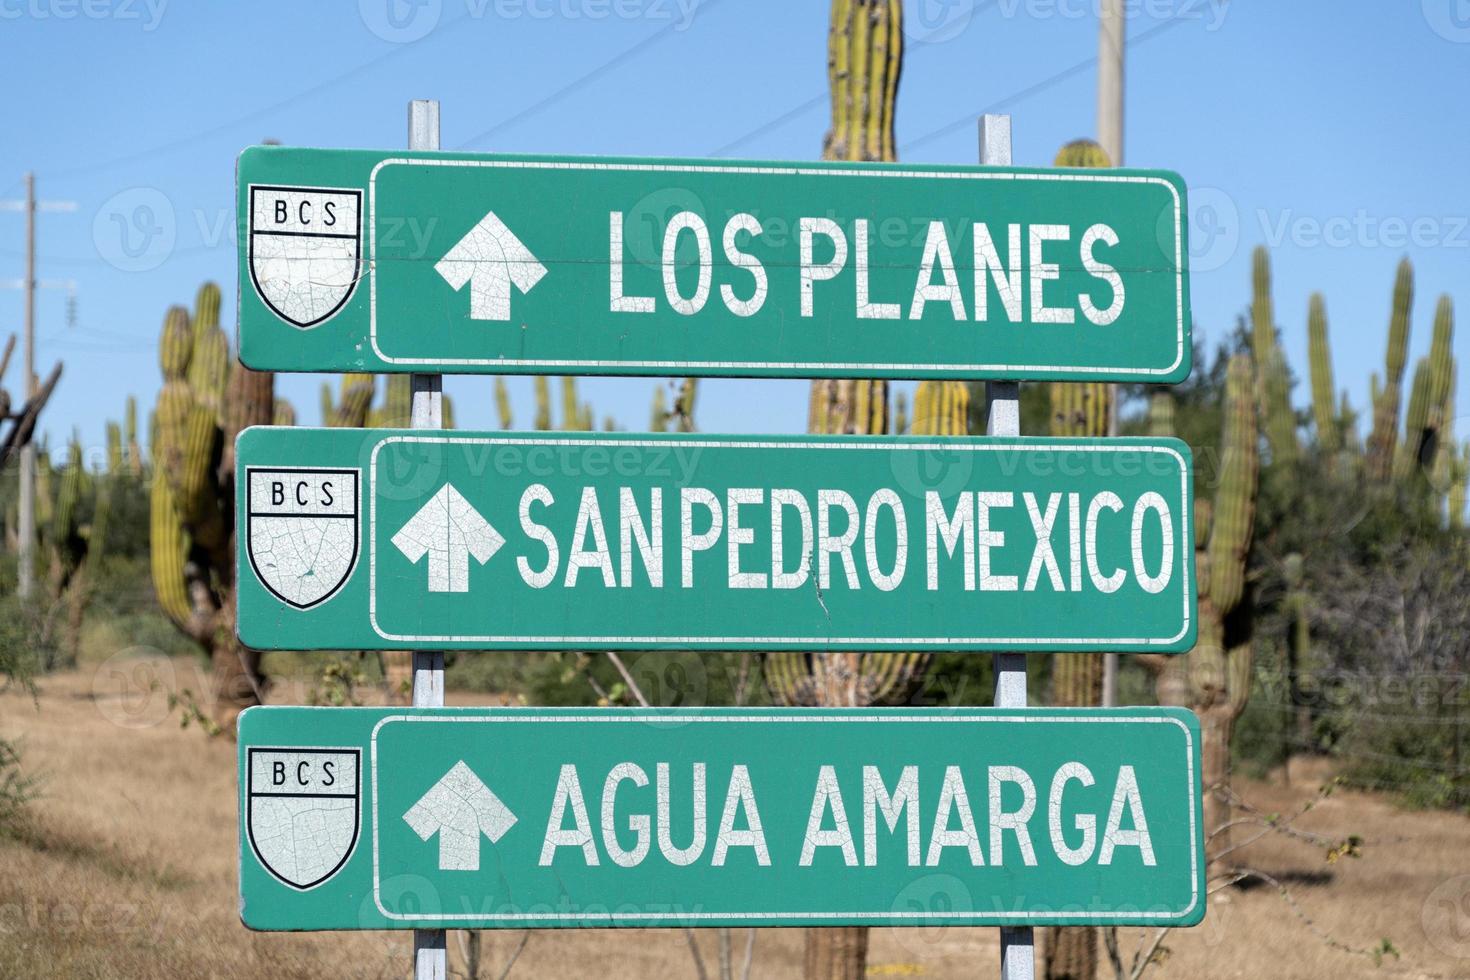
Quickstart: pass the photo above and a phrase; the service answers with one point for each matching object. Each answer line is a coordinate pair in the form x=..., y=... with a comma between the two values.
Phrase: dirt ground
x=128, y=870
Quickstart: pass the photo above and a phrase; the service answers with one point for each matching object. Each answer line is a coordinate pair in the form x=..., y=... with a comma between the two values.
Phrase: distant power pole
x=1111, y=39
x=25, y=583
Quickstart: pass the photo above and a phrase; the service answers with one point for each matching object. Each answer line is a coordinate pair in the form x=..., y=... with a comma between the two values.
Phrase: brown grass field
x=126, y=868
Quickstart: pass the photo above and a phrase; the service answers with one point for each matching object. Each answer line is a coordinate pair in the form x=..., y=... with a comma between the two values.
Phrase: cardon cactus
x=658, y=419
x=74, y=548
x=1272, y=382
x=350, y=409
x=864, y=55
x=1324, y=392
x=1079, y=409
x=1082, y=153
x=502, y=403
x=1388, y=392
x=543, y=403
x=200, y=410
x=683, y=416
x=1430, y=409
x=130, y=434
x=114, y=448
x=1214, y=678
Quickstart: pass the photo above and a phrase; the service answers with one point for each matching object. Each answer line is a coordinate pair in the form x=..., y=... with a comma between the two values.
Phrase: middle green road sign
x=382, y=539
x=453, y=263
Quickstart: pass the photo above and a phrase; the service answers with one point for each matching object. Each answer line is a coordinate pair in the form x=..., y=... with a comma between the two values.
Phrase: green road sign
x=355, y=260
x=382, y=539
x=475, y=818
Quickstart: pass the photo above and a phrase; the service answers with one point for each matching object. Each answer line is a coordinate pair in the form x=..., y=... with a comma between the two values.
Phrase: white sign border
x=1028, y=715
x=677, y=367
x=736, y=642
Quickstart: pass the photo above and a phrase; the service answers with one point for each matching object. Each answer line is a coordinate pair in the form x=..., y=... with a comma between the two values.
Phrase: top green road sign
x=356, y=260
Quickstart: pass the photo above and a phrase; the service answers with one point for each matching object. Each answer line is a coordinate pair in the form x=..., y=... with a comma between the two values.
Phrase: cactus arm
x=1324, y=391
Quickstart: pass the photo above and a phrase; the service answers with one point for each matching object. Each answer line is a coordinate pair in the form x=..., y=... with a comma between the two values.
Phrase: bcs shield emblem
x=304, y=250
x=302, y=816
x=301, y=531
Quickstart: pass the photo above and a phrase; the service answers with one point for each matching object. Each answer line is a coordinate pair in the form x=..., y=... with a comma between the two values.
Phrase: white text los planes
x=1010, y=263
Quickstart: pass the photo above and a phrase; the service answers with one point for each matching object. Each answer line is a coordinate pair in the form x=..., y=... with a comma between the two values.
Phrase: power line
x=625, y=55
x=968, y=120
x=260, y=113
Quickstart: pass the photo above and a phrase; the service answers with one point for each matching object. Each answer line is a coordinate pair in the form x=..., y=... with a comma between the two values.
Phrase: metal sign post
x=430, y=960
x=1017, y=945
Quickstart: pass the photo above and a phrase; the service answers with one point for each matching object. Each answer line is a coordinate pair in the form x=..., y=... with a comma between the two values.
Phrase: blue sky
x=1333, y=132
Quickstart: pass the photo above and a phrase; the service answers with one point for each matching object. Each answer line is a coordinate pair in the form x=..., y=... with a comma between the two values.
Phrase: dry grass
x=127, y=869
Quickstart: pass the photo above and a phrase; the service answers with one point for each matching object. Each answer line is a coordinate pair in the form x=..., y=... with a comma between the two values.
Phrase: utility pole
x=1111, y=40
x=25, y=583
x=27, y=570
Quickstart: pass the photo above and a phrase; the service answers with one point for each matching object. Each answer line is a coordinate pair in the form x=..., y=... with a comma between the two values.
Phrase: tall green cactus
x=1387, y=395
x=350, y=409
x=864, y=58
x=1324, y=392
x=1220, y=665
x=201, y=408
x=130, y=436
x=1214, y=678
x=115, y=453
x=683, y=414
x=1430, y=407
x=658, y=419
x=502, y=403
x=1273, y=388
x=543, y=402
x=68, y=546
x=1079, y=409
x=75, y=549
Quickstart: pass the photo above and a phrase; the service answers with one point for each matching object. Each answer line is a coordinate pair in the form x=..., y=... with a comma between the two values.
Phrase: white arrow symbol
x=490, y=258
x=460, y=808
x=448, y=530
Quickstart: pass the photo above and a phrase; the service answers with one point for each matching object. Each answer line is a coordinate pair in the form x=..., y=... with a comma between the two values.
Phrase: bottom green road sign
x=476, y=818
